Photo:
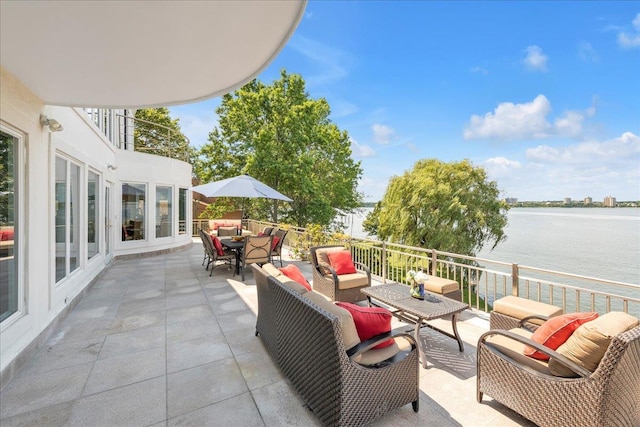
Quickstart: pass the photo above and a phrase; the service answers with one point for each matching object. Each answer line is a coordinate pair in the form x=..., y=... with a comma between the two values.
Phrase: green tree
x=157, y=133
x=280, y=136
x=450, y=207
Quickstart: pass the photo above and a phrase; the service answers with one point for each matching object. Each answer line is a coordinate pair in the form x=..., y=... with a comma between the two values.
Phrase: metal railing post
x=384, y=262
x=434, y=262
x=515, y=280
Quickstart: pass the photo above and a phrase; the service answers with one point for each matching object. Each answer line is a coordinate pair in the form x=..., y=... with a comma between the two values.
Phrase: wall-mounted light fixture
x=112, y=167
x=53, y=124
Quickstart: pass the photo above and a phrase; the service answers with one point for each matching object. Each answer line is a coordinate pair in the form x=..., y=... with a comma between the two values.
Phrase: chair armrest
x=378, y=339
x=361, y=266
x=522, y=322
x=584, y=373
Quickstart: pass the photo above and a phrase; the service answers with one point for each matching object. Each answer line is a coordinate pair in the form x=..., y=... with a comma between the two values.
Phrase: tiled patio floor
x=157, y=342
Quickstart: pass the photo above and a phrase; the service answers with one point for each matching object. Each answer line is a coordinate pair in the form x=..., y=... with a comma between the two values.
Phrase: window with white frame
x=93, y=214
x=10, y=259
x=67, y=217
x=164, y=211
x=134, y=197
x=182, y=211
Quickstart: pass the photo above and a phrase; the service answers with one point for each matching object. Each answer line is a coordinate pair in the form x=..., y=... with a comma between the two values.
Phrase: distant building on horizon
x=511, y=200
x=588, y=200
x=610, y=202
x=567, y=200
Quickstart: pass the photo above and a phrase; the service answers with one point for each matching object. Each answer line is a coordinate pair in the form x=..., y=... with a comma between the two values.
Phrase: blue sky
x=544, y=95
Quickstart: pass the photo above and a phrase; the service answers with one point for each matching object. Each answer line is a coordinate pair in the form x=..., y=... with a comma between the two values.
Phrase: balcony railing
x=483, y=280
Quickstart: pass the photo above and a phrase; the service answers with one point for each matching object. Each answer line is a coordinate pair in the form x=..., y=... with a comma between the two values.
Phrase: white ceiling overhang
x=141, y=53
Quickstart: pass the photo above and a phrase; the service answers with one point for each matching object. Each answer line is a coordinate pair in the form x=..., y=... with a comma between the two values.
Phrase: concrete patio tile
x=63, y=355
x=183, y=314
x=140, y=321
x=131, y=368
x=280, y=405
x=192, y=329
x=236, y=411
x=139, y=307
x=133, y=405
x=133, y=341
x=34, y=390
x=184, y=290
x=89, y=329
x=83, y=313
x=188, y=354
x=202, y=386
x=231, y=322
x=186, y=300
x=258, y=369
x=148, y=295
x=180, y=282
x=54, y=415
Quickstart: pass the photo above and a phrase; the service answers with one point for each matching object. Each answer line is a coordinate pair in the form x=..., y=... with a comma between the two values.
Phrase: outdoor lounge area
x=157, y=341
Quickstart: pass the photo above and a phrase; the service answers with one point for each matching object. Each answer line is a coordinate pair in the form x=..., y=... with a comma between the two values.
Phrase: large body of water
x=595, y=242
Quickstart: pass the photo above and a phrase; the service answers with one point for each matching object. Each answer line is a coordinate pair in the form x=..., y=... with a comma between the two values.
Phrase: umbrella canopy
x=239, y=186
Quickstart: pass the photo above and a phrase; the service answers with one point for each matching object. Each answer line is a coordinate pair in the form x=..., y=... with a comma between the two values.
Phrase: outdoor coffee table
x=418, y=312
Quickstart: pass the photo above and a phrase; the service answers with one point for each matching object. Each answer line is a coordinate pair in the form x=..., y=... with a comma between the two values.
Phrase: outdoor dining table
x=235, y=246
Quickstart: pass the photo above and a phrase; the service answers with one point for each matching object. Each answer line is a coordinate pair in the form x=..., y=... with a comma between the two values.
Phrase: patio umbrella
x=239, y=186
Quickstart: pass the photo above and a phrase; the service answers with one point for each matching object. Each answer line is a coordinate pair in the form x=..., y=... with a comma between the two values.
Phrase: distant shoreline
x=594, y=205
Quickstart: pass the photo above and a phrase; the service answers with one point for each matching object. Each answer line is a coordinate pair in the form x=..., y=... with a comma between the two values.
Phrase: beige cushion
x=271, y=270
x=588, y=344
x=353, y=280
x=323, y=258
x=521, y=307
x=293, y=285
x=440, y=285
x=377, y=355
x=515, y=350
x=349, y=332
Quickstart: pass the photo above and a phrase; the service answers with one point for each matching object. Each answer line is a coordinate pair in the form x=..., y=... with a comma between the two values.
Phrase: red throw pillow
x=555, y=331
x=341, y=262
x=370, y=321
x=217, y=245
x=261, y=234
x=293, y=272
x=274, y=242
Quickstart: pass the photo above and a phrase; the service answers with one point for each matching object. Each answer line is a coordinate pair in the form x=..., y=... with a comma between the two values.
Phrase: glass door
x=108, y=222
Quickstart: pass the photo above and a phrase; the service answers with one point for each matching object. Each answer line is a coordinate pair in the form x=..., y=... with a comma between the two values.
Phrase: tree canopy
x=164, y=140
x=450, y=207
x=279, y=135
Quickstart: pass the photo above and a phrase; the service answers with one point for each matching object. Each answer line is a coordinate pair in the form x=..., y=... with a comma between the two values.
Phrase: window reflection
x=8, y=204
x=133, y=211
x=163, y=211
x=93, y=200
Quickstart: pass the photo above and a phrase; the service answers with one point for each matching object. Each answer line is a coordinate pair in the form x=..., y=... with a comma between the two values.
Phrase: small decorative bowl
x=237, y=238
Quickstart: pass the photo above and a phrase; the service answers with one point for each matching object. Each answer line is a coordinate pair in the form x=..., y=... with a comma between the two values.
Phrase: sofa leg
x=479, y=395
x=415, y=404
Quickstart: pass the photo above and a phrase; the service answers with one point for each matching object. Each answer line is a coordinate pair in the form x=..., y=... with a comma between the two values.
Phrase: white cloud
x=359, y=150
x=586, y=52
x=479, y=70
x=342, y=108
x=528, y=120
x=196, y=128
x=535, y=59
x=382, y=134
x=500, y=166
x=631, y=39
x=590, y=168
x=332, y=63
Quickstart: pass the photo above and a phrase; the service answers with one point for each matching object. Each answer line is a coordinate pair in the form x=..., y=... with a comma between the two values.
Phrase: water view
x=603, y=243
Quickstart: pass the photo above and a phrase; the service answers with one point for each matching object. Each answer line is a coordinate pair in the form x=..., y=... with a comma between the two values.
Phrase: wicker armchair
x=609, y=396
x=344, y=287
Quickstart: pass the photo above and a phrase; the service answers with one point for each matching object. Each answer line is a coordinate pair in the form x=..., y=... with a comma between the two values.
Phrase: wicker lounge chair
x=609, y=396
x=227, y=231
x=338, y=287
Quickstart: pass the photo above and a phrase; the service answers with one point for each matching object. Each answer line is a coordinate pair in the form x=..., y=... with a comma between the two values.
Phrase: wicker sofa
x=607, y=396
x=312, y=343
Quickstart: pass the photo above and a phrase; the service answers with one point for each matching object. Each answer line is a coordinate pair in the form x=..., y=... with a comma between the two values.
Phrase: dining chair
x=257, y=249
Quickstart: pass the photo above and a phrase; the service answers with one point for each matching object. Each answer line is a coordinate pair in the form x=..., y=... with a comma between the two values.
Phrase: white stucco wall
x=83, y=144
